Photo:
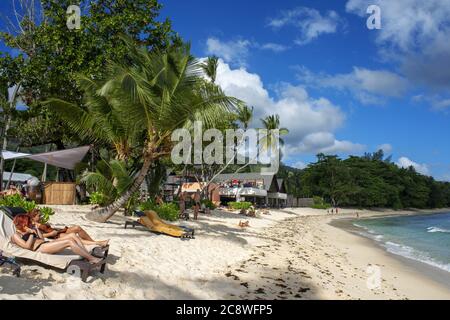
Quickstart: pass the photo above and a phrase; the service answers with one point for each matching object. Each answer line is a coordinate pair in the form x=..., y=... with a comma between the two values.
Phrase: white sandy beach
x=288, y=254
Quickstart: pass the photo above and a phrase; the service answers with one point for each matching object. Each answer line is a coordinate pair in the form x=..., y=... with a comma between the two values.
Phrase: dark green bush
x=98, y=198
x=208, y=204
x=17, y=200
x=239, y=205
x=166, y=211
x=46, y=212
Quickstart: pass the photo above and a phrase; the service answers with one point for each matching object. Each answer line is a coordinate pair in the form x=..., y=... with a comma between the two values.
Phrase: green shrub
x=12, y=201
x=46, y=212
x=208, y=204
x=98, y=198
x=28, y=205
x=320, y=204
x=20, y=202
x=147, y=205
x=17, y=200
x=239, y=205
x=166, y=211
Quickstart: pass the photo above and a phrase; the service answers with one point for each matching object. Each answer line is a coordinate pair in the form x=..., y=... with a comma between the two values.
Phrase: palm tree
x=98, y=120
x=210, y=68
x=111, y=178
x=268, y=140
x=245, y=115
x=159, y=92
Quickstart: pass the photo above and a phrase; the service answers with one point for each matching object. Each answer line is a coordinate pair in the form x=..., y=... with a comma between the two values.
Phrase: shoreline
x=327, y=262
x=434, y=273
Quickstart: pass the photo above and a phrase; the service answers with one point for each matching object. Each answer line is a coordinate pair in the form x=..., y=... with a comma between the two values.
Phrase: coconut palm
x=210, y=68
x=270, y=137
x=244, y=115
x=97, y=120
x=111, y=178
x=159, y=92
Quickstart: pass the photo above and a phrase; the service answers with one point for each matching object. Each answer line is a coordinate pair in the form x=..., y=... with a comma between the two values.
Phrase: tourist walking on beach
x=196, y=204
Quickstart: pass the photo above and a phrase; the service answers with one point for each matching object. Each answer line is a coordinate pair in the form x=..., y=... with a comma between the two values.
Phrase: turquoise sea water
x=425, y=238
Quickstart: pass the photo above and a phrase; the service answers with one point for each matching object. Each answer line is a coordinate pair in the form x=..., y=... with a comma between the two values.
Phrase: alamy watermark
x=374, y=20
x=373, y=281
x=239, y=147
x=74, y=17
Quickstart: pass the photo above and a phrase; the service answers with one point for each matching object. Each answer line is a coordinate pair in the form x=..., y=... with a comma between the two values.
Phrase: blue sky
x=347, y=88
x=338, y=87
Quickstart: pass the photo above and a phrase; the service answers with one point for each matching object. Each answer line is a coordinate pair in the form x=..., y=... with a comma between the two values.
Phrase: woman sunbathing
x=54, y=233
x=30, y=238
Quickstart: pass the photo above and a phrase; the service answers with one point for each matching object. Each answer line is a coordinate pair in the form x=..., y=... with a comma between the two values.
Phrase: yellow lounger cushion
x=155, y=224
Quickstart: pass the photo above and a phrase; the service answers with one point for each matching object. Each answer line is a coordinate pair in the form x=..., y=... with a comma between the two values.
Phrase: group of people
x=333, y=211
x=185, y=197
x=33, y=235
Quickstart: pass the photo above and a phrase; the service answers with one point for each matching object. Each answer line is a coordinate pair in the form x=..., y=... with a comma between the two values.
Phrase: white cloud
x=437, y=101
x=442, y=104
x=310, y=23
x=367, y=86
x=275, y=47
x=234, y=51
x=415, y=34
x=405, y=162
x=386, y=147
x=325, y=142
x=300, y=165
x=311, y=122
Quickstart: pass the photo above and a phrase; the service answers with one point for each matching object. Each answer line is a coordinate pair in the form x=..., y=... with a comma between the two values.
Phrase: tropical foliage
x=154, y=92
x=166, y=211
x=367, y=181
x=18, y=201
x=239, y=205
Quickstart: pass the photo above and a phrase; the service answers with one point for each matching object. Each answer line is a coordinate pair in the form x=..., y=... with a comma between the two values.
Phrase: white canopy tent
x=66, y=159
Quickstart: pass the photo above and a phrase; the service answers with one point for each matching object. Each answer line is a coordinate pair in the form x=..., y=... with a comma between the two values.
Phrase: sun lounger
x=151, y=221
x=64, y=260
x=10, y=262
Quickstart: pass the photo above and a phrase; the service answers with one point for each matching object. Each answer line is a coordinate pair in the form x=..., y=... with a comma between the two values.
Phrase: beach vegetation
x=208, y=204
x=166, y=211
x=17, y=201
x=368, y=181
x=239, y=205
x=46, y=213
x=319, y=203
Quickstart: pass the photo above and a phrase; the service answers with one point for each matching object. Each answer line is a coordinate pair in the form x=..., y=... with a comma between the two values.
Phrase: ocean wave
x=411, y=253
x=437, y=229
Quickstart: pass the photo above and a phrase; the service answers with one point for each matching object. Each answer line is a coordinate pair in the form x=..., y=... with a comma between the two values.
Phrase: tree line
x=367, y=181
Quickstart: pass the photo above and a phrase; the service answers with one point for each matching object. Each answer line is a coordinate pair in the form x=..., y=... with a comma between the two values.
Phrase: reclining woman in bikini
x=53, y=233
x=30, y=238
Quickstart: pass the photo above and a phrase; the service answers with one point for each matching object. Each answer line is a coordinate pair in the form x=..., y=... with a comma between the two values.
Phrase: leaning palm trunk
x=103, y=214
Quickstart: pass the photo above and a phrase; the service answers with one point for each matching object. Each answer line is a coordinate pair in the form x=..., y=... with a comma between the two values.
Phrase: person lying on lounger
x=53, y=233
x=30, y=238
